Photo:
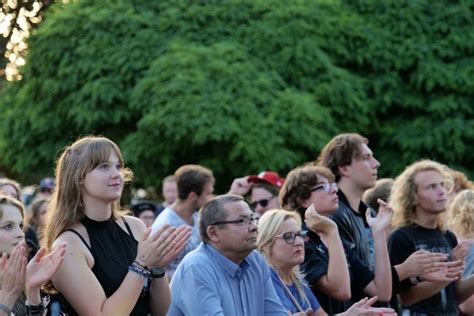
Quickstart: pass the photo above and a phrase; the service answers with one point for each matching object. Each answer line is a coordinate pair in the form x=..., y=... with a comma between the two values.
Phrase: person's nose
x=376, y=163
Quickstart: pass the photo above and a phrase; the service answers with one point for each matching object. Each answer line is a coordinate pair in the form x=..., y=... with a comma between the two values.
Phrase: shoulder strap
x=82, y=238
x=128, y=228
x=290, y=295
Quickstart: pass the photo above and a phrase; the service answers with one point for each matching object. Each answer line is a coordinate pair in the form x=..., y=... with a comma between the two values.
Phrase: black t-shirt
x=316, y=265
x=406, y=240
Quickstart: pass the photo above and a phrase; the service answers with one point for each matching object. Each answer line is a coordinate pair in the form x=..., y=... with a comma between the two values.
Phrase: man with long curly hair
x=419, y=198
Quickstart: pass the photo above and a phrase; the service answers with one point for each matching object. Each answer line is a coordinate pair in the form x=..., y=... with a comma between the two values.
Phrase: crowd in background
x=328, y=238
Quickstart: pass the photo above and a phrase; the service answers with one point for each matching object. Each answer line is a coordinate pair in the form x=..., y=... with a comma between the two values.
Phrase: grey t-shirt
x=169, y=216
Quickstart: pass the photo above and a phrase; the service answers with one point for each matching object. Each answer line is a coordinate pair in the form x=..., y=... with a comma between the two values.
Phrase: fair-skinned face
x=9, y=190
x=325, y=202
x=260, y=194
x=104, y=184
x=285, y=256
x=363, y=169
x=206, y=195
x=170, y=191
x=11, y=229
x=431, y=195
x=233, y=240
x=147, y=217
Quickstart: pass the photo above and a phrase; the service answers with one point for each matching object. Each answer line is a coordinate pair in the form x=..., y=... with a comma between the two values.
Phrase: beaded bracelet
x=143, y=273
x=5, y=309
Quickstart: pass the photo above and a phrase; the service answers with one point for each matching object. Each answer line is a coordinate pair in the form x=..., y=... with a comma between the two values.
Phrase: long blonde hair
x=268, y=227
x=403, y=196
x=66, y=208
x=461, y=214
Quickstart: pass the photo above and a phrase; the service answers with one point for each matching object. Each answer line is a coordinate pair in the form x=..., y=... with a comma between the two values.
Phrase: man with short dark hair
x=195, y=185
x=225, y=275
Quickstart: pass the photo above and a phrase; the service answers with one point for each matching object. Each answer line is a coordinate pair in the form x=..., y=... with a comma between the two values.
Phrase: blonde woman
x=281, y=242
x=20, y=283
x=461, y=221
x=113, y=265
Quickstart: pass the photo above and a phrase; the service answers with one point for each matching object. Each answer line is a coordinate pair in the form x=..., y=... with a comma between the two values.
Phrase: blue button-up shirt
x=208, y=283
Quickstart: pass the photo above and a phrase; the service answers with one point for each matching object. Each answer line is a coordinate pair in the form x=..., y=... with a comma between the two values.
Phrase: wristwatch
x=157, y=273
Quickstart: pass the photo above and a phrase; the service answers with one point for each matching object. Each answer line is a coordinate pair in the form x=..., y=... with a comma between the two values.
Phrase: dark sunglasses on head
x=290, y=237
x=262, y=202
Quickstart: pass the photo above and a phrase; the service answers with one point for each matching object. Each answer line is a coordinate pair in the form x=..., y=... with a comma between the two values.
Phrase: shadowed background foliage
x=243, y=86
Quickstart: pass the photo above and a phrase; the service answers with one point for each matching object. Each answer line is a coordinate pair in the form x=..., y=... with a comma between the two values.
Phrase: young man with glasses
x=263, y=188
x=224, y=275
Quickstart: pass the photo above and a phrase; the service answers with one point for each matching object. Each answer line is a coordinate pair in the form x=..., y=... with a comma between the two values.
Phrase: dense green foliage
x=243, y=86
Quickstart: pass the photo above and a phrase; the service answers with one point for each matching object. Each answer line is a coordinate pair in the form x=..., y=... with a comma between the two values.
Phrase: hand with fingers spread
x=364, y=307
x=13, y=271
x=318, y=223
x=41, y=268
x=383, y=219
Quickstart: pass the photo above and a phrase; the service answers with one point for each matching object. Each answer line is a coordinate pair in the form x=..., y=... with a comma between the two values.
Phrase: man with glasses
x=224, y=275
x=263, y=188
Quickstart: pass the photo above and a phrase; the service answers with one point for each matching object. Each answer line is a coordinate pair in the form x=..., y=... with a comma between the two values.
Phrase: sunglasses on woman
x=262, y=202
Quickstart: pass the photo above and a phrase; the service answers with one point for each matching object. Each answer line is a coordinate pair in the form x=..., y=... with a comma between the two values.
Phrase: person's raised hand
x=240, y=186
x=318, y=223
x=42, y=267
x=383, y=219
x=13, y=271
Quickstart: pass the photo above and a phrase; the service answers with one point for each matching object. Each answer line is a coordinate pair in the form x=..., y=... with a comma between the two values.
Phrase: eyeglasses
x=244, y=221
x=290, y=237
x=328, y=187
x=262, y=202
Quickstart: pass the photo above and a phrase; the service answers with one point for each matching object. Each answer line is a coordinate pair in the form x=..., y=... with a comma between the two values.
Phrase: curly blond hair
x=461, y=214
x=403, y=195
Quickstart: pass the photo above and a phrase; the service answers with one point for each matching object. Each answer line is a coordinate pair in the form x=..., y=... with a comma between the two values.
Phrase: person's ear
x=213, y=234
x=344, y=170
x=304, y=203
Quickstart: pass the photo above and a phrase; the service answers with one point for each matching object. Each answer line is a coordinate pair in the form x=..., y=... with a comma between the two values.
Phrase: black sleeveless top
x=113, y=251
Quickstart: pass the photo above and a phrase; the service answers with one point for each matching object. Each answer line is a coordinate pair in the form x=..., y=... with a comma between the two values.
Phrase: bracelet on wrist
x=5, y=309
x=157, y=273
x=37, y=309
x=142, y=272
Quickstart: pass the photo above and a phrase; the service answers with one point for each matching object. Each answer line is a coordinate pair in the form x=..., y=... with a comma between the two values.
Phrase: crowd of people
x=329, y=238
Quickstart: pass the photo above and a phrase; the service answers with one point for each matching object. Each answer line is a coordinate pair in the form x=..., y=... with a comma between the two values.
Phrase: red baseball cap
x=269, y=177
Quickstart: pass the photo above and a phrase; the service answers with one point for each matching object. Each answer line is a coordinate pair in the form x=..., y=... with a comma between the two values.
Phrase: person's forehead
x=428, y=176
x=237, y=209
x=11, y=214
x=364, y=149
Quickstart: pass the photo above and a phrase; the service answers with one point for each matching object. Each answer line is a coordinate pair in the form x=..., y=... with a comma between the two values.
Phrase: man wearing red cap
x=264, y=189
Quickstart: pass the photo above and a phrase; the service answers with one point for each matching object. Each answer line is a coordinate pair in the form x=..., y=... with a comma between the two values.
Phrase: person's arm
x=381, y=286
x=13, y=272
x=336, y=282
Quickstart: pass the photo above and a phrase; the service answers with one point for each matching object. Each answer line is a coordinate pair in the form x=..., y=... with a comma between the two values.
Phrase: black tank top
x=113, y=251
